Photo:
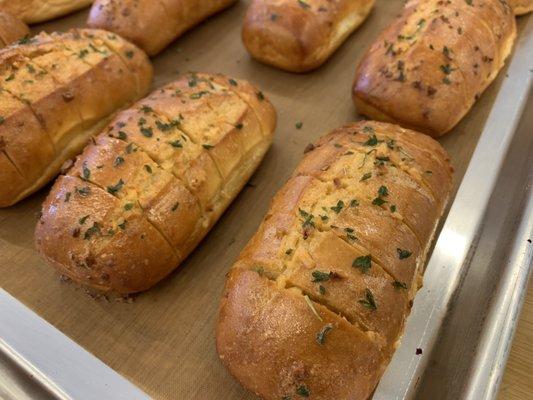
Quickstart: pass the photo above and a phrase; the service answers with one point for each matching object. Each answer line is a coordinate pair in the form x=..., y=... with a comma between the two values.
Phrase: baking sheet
x=163, y=341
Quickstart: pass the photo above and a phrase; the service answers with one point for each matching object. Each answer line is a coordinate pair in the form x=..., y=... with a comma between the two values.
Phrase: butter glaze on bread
x=11, y=29
x=57, y=91
x=521, y=7
x=427, y=69
x=153, y=183
x=34, y=11
x=152, y=24
x=316, y=303
x=299, y=36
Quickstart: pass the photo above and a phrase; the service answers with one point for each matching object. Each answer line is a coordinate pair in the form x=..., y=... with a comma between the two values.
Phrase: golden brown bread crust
x=51, y=100
x=11, y=29
x=299, y=36
x=426, y=70
x=159, y=176
x=316, y=303
x=152, y=24
x=521, y=7
x=33, y=11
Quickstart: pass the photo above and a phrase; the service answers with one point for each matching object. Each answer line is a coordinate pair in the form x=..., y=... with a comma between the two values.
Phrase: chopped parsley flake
x=302, y=390
x=366, y=176
x=364, y=263
x=369, y=301
x=319, y=276
x=403, y=254
x=338, y=207
x=115, y=188
x=321, y=336
x=119, y=160
x=399, y=285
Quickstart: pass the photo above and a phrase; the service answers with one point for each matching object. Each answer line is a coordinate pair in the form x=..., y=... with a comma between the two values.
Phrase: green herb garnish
x=368, y=301
x=321, y=336
x=403, y=254
x=364, y=263
x=115, y=188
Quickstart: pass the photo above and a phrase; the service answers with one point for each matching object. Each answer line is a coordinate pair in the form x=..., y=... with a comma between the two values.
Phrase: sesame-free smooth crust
x=151, y=185
x=427, y=69
x=521, y=7
x=152, y=24
x=300, y=35
x=316, y=303
x=34, y=11
x=11, y=29
x=52, y=102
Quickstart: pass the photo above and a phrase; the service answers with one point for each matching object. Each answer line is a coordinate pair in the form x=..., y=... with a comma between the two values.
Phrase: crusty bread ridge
x=152, y=184
x=316, y=303
x=34, y=11
x=521, y=7
x=11, y=29
x=51, y=101
x=152, y=24
x=427, y=69
x=299, y=36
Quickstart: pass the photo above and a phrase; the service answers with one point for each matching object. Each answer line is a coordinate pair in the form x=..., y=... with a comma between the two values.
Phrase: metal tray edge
x=460, y=231
x=60, y=365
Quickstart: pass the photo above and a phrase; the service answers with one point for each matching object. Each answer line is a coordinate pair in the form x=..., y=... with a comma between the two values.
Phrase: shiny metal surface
x=497, y=336
x=62, y=368
x=457, y=241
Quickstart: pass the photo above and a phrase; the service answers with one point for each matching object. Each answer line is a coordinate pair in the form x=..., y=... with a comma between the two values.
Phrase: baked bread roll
x=33, y=11
x=317, y=301
x=299, y=36
x=521, y=7
x=426, y=70
x=11, y=29
x=57, y=90
x=152, y=25
x=154, y=182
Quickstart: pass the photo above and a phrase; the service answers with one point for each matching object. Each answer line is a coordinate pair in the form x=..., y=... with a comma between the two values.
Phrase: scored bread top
x=319, y=296
x=55, y=86
x=171, y=164
x=431, y=64
x=11, y=29
x=300, y=35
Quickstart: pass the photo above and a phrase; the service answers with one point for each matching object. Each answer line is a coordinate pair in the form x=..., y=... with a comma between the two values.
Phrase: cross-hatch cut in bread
x=317, y=301
x=151, y=185
x=152, y=24
x=11, y=29
x=427, y=69
x=300, y=35
x=56, y=91
x=34, y=11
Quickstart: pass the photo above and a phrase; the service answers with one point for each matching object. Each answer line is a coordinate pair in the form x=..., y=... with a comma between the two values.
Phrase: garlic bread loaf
x=521, y=7
x=426, y=70
x=316, y=303
x=154, y=182
x=150, y=24
x=34, y=11
x=11, y=29
x=56, y=91
x=299, y=36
